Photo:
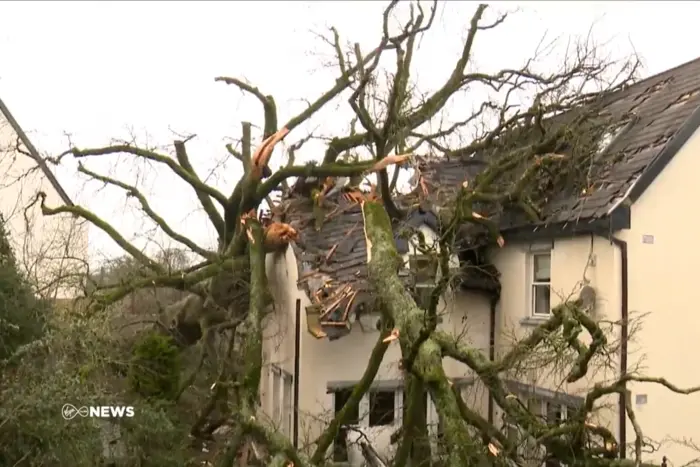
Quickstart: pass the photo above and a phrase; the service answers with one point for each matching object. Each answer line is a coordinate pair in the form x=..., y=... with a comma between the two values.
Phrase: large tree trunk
x=399, y=307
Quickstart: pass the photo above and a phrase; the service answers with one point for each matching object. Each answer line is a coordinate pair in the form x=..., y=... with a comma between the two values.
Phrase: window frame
x=535, y=284
x=282, y=395
x=543, y=406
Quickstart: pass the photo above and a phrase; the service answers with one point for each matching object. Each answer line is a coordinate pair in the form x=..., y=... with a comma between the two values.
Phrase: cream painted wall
x=574, y=261
x=43, y=243
x=663, y=279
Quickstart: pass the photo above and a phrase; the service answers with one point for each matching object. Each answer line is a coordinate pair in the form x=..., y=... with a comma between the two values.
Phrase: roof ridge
x=664, y=73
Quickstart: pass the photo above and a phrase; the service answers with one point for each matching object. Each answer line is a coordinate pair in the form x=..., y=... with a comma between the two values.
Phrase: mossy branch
x=105, y=227
x=181, y=280
x=180, y=171
x=204, y=198
x=132, y=191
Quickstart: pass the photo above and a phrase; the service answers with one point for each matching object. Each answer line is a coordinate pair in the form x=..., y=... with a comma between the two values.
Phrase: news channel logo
x=69, y=411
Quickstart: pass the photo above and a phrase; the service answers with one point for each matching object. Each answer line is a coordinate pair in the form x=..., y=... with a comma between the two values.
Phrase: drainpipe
x=297, y=355
x=492, y=346
x=624, y=315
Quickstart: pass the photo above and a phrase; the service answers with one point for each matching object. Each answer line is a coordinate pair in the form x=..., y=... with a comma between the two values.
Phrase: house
x=614, y=236
x=627, y=236
x=48, y=249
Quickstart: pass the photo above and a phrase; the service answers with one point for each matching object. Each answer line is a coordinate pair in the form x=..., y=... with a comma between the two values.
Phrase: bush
x=75, y=365
x=22, y=314
x=154, y=370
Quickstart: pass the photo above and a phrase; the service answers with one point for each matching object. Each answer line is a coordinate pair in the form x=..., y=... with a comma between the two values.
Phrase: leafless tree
x=536, y=130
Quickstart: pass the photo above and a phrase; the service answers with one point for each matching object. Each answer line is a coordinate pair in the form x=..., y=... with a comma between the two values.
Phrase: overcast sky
x=101, y=70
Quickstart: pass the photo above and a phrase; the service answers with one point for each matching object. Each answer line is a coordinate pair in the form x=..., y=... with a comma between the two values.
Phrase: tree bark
x=398, y=305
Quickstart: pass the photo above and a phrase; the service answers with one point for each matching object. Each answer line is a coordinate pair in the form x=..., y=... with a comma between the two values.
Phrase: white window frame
x=563, y=409
x=364, y=407
x=533, y=283
x=281, y=397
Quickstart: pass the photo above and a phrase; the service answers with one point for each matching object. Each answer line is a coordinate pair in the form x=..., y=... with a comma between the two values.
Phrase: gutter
x=624, y=334
x=297, y=359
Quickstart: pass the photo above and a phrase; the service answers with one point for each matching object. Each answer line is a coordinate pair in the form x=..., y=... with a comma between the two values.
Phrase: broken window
x=541, y=291
x=381, y=408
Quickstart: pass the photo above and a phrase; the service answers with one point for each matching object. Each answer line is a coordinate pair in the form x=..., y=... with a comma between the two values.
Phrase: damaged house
x=623, y=240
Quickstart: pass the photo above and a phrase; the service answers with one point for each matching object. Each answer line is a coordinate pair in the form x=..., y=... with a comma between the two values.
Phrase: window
x=282, y=388
x=553, y=411
x=381, y=408
x=556, y=413
x=340, y=448
x=424, y=270
x=378, y=407
x=541, y=291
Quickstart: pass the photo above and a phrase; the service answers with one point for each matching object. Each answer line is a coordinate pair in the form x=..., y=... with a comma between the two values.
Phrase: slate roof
x=652, y=119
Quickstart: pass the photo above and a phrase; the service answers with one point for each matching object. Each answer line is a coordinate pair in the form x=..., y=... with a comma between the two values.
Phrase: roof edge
x=35, y=154
x=619, y=219
x=667, y=153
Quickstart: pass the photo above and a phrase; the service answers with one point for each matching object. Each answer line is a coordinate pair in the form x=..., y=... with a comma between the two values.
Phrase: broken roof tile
x=660, y=104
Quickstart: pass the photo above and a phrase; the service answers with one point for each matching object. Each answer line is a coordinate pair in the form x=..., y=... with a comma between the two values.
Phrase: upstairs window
x=540, y=281
x=424, y=272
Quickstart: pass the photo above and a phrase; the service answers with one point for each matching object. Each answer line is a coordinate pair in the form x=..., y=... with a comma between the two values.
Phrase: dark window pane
x=341, y=397
x=381, y=408
x=340, y=449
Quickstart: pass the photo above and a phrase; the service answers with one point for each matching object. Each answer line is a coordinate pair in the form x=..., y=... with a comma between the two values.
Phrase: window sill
x=534, y=320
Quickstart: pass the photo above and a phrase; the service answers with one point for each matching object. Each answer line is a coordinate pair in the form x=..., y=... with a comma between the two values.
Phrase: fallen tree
x=527, y=158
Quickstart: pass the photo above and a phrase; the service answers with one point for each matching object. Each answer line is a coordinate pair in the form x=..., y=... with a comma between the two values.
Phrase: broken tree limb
x=267, y=101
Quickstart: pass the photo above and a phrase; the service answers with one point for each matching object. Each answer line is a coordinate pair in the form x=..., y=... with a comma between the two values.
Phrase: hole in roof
x=639, y=104
x=663, y=138
x=655, y=88
x=683, y=99
x=609, y=136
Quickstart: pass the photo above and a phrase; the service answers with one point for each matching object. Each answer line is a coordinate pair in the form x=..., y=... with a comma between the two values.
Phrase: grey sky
x=94, y=69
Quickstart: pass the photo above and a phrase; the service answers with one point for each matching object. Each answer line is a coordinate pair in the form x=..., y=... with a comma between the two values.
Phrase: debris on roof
x=639, y=122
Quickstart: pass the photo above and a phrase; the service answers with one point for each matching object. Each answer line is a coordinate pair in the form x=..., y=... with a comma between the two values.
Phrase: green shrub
x=22, y=314
x=154, y=370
